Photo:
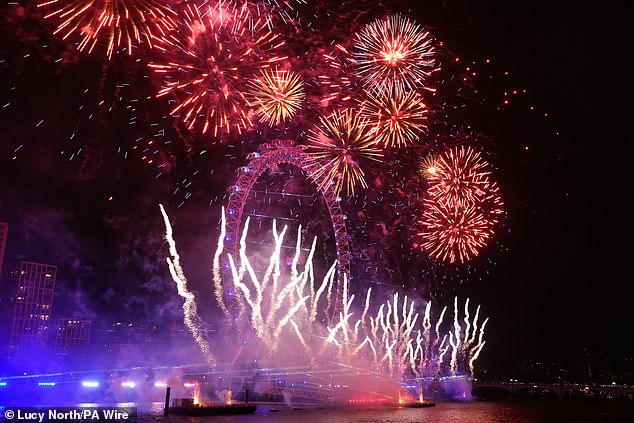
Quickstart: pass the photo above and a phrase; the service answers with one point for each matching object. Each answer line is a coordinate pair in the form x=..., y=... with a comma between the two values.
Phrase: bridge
x=561, y=390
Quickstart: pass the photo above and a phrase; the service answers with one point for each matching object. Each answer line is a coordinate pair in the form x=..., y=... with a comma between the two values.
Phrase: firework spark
x=342, y=142
x=282, y=8
x=397, y=116
x=276, y=95
x=217, y=50
x=341, y=81
x=119, y=23
x=394, y=49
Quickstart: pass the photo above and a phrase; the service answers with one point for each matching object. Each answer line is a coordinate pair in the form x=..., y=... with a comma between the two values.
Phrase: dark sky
x=559, y=280
x=561, y=288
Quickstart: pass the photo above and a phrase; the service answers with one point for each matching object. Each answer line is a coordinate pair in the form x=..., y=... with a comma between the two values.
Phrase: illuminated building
x=26, y=300
x=71, y=334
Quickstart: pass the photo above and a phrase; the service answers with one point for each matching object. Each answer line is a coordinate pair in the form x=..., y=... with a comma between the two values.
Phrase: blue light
x=90, y=384
x=46, y=384
x=3, y=383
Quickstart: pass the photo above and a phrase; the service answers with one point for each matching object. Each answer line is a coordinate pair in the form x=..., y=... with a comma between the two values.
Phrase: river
x=502, y=411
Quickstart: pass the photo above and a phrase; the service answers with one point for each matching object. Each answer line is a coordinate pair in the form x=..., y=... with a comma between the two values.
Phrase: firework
x=462, y=205
x=393, y=343
x=276, y=95
x=460, y=176
x=190, y=310
x=429, y=167
x=397, y=116
x=118, y=23
x=452, y=232
x=280, y=305
x=394, y=49
x=277, y=300
x=217, y=50
x=341, y=143
x=390, y=341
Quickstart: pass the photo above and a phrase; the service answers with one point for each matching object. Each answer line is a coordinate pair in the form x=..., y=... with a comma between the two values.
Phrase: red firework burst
x=394, y=49
x=398, y=116
x=118, y=23
x=462, y=206
x=453, y=233
x=211, y=59
x=460, y=176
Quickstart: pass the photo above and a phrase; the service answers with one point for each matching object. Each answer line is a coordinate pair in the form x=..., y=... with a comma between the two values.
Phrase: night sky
x=78, y=191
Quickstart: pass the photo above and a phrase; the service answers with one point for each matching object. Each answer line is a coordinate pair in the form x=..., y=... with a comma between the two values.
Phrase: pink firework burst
x=117, y=23
x=394, y=49
x=210, y=61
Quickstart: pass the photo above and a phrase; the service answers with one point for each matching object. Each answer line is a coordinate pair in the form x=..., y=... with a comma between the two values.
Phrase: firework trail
x=475, y=352
x=466, y=321
x=118, y=23
x=454, y=338
x=190, y=311
x=217, y=275
x=276, y=95
x=210, y=60
x=341, y=144
x=394, y=49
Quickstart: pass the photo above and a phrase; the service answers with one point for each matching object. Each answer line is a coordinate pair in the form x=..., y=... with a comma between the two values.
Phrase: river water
x=503, y=411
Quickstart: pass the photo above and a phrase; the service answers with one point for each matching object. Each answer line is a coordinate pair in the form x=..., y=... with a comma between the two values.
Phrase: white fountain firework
x=190, y=311
x=283, y=305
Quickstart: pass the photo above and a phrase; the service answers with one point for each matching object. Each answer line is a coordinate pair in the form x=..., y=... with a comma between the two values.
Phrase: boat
x=417, y=404
x=186, y=406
